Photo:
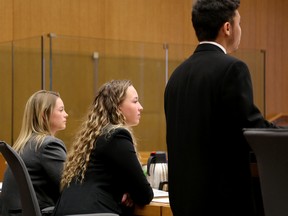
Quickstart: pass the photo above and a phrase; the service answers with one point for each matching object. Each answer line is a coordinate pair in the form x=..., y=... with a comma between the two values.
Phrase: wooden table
x=154, y=209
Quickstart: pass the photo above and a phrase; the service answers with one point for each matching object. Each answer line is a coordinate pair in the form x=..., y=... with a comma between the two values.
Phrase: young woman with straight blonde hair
x=42, y=153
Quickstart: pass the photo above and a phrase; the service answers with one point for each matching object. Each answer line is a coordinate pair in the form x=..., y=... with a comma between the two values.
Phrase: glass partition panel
x=82, y=65
x=77, y=67
x=27, y=76
x=6, y=91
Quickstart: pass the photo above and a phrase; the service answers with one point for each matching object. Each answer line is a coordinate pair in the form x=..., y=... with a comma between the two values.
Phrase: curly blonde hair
x=103, y=116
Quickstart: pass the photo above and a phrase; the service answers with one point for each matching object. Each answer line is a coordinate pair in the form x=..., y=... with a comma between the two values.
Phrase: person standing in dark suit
x=208, y=101
x=42, y=153
x=103, y=173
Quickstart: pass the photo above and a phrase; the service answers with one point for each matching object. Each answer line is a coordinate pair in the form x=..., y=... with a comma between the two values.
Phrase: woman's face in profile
x=131, y=107
x=58, y=117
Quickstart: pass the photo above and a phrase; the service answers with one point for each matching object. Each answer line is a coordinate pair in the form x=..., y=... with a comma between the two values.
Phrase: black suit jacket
x=45, y=167
x=113, y=170
x=208, y=101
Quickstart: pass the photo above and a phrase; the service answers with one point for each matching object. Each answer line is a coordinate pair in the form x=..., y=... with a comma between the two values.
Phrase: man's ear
x=227, y=28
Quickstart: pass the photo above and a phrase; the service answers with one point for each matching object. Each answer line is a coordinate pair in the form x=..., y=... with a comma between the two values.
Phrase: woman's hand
x=126, y=200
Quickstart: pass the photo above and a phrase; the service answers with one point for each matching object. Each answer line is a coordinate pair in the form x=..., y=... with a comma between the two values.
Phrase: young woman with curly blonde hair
x=102, y=173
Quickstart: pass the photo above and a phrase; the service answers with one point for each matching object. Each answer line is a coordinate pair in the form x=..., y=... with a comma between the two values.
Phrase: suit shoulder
x=118, y=132
x=51, y=140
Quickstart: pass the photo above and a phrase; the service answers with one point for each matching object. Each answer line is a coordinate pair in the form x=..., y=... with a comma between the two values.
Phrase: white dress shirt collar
x=214, y=43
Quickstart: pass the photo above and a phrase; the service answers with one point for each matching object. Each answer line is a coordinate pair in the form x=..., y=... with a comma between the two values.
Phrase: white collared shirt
x=214, y=43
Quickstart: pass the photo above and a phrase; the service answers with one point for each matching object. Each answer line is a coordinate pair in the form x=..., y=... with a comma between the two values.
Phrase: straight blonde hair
x=35, y=122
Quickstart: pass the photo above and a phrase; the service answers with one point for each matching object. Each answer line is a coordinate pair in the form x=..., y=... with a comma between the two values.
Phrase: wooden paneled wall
x=141, y=20
x=162, y=21
x=263, y=27
x=6, y=20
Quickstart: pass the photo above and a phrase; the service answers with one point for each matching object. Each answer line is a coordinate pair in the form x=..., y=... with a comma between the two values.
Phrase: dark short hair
x=209, y=15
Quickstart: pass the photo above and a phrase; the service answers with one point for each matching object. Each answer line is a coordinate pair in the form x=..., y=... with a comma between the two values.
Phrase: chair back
x=270, y=147
x=95, y=214
x=29, y=202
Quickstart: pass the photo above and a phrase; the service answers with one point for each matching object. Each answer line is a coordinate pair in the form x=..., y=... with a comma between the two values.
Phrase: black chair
x=270, y=147
x=29, y=202
x=30, y=206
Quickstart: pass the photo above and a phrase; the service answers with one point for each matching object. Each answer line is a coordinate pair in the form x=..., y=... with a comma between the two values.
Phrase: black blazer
x=45, y=167
x=208, y=101
x=113, y=170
